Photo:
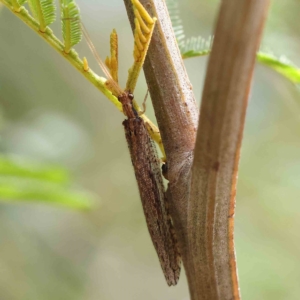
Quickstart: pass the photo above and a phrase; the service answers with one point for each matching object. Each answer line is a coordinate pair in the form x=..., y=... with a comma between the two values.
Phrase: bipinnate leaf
x=71, y=28
x=43, y=11
x=198, y=46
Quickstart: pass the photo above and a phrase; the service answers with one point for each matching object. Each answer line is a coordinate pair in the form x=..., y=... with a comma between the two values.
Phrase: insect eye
x=130, y=96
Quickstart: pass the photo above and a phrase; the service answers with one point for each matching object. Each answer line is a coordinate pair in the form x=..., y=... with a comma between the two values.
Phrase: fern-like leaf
x=112, y=61
x=16, y=190
x=281, y=65
x=43, y=11
x=144, y=25
x=33, y=8
x=48, y=9
x=176, y=21
x=195, y=46
x=191, y=47
x=71, y=28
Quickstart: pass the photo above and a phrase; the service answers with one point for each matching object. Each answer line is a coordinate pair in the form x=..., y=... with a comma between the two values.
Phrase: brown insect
x=146, y=166
x=147, y=170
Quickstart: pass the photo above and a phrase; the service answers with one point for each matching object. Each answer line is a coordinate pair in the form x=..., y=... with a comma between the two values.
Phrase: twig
x=175, y=110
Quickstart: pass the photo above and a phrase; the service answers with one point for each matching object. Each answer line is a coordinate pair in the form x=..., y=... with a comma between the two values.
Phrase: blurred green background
x=49, y=113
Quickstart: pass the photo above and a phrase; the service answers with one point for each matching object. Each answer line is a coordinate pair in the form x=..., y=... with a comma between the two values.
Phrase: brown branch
x=175, y=110
x=206, y=236
x=214, y=172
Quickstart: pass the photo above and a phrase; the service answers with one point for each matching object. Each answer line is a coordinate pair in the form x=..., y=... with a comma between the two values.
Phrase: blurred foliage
x=14, y=189
x=199, y=46
x=281, y=65
x=51, y=115
x=21, y=168
x=27, y=181
x=24, y=181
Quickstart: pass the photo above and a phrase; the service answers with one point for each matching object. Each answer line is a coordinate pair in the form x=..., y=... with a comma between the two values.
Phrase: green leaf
x=33, y=8
x=176, y=20
x=197, y=46
x=43, y=11
x=13, y=166
x=191, y=47
x=16, y=190
x=48, y=9
x=15, y=3
x=21, y=180
x=71, y=27
x=281, y=65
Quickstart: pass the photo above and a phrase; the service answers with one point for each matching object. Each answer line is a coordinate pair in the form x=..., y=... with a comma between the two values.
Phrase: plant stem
x=73, y=58
x=175, y=110
x=217, y=151
x=202, y=201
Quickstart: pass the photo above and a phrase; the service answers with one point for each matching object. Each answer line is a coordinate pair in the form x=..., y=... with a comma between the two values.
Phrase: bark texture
x=202, y=181
x=175, y=109
x=216, y=157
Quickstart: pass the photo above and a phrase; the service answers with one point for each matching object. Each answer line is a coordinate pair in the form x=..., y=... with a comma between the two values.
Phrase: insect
x=142, y=150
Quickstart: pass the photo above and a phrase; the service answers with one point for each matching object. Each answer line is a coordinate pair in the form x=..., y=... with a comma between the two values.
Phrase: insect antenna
x=116, y=89
x=144, y=104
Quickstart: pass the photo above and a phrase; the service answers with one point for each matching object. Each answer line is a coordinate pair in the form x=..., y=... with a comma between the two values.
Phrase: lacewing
x=147, y=171
x=148, y=175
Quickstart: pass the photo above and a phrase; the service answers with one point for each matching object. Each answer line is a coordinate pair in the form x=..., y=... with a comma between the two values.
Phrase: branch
x=72, y=56
x=214, y=172
x=175, y=109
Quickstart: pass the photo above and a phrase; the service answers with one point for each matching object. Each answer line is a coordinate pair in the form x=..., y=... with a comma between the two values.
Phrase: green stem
x=16, y=5
x=283, y=67
x=40, y=16
x=68, y=45
x=72, y=56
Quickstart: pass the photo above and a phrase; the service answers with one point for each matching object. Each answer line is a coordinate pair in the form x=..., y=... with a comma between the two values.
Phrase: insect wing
x=147, y=171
